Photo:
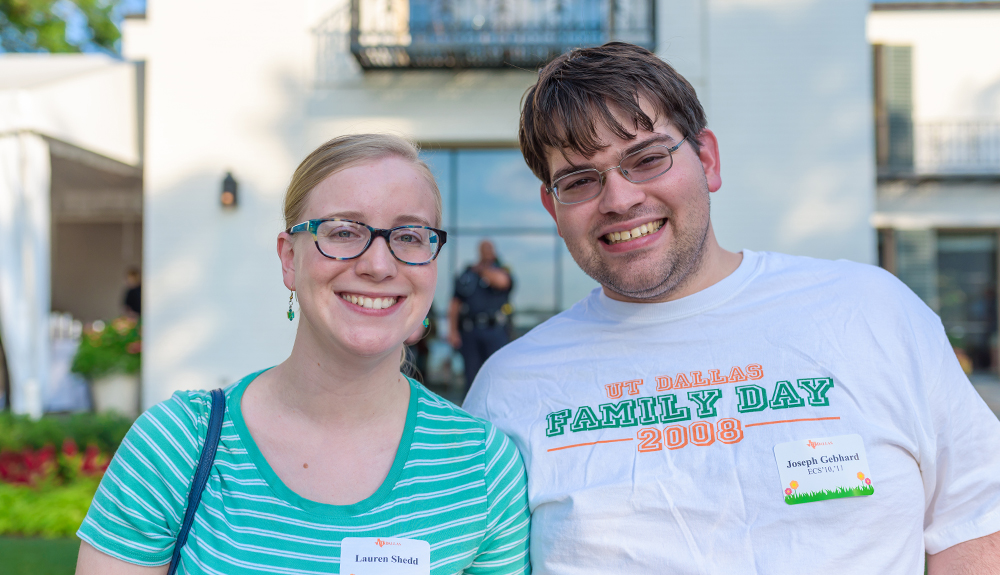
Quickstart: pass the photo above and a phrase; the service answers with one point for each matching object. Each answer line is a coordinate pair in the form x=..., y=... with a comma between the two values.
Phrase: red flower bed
x=32, y=466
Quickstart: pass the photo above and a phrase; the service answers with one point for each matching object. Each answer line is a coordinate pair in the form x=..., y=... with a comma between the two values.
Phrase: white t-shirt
x=620, y=481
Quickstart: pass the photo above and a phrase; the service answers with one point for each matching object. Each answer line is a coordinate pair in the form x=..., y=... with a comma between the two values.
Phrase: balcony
x=392, y=34
x=939, y=149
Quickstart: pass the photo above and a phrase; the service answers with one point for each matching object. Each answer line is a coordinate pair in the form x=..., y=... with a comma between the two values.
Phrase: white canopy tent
x=87, y=101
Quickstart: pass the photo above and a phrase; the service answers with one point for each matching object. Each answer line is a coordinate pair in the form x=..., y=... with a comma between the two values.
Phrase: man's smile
x=645, y=229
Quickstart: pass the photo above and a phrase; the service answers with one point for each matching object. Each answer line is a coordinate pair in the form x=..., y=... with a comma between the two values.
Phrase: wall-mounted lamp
x=229, y=186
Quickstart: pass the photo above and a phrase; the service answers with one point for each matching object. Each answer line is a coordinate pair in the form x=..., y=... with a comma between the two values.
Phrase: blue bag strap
x=201, y=474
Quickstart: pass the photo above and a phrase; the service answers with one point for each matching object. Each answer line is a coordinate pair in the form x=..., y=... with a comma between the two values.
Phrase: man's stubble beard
x=683, y=258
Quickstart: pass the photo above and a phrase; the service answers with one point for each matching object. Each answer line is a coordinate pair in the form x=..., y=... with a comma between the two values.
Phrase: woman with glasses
x=332, y=461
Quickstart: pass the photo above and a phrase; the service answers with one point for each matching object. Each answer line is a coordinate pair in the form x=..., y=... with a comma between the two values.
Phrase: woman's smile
x=369, y=302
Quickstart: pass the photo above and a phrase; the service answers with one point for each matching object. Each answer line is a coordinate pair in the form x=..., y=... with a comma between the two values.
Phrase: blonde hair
x=346, y=152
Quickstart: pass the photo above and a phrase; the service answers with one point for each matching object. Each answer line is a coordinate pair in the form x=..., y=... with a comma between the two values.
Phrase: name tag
x=384, y=556
x=823, y=468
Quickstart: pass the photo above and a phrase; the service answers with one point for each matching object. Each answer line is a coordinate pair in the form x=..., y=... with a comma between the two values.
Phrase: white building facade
x=937, y=103
x=251, y=88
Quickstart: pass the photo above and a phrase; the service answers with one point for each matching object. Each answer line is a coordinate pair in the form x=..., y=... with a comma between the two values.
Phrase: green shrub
x=104, y=430
x=48, y=510
x=46, y=482
x=109, y=348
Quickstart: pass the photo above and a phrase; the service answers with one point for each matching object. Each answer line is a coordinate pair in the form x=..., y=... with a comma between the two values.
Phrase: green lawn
x=825, y=494
x=31, y=556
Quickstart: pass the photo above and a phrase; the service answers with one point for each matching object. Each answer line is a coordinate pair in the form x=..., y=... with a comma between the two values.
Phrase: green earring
x=427, y=322
x=291, y=314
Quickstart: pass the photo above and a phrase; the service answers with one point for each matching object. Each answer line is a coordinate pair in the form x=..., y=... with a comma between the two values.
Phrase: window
x=967, y=282
x=491, y=194
x=893, y=68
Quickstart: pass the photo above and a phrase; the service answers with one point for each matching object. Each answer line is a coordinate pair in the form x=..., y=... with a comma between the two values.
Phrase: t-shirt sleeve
x=475, y=399
x=504, y=549
x=140, y=504
x=962, y=476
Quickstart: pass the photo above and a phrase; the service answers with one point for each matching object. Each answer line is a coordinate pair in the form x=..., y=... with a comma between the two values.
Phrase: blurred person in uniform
x=132, y=300
x=479, y=313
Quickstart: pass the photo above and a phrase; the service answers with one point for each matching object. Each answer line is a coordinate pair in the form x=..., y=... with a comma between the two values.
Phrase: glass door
x=967, y=282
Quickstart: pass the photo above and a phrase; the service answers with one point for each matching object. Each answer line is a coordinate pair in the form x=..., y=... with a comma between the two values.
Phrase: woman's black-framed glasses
x=347, y=239
x=637, y=167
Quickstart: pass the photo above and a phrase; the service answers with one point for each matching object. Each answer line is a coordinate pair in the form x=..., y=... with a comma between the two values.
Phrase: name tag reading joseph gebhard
x=823, y=468
x=384, y=556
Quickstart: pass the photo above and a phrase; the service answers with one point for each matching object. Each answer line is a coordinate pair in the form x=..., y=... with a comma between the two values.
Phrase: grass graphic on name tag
x=796, y=498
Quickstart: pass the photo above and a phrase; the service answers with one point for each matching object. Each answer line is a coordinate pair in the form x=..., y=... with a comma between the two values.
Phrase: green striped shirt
x=457, y=483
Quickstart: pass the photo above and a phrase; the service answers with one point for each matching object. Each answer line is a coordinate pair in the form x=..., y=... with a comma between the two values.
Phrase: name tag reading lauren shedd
x=823, y=468
x=384, y=556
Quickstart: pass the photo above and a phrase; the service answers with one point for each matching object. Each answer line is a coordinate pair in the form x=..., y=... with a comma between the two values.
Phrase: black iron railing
x=490, y=33
x=958, y=147
x=942, y=148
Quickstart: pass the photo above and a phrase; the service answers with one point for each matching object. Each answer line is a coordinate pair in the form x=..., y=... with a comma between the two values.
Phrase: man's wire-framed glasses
x=637, y=167
x=340, y=239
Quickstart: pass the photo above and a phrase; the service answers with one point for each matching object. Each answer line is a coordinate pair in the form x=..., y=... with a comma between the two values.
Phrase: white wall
x=956, y=60
x=787, y=88
x=224, y=92
x=432, y=107
x=245, y=87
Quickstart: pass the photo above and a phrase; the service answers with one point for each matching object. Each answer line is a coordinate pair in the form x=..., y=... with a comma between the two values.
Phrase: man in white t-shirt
x=706, y=411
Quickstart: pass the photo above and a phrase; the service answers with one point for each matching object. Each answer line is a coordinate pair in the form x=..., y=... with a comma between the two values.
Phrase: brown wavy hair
x=587, y=86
